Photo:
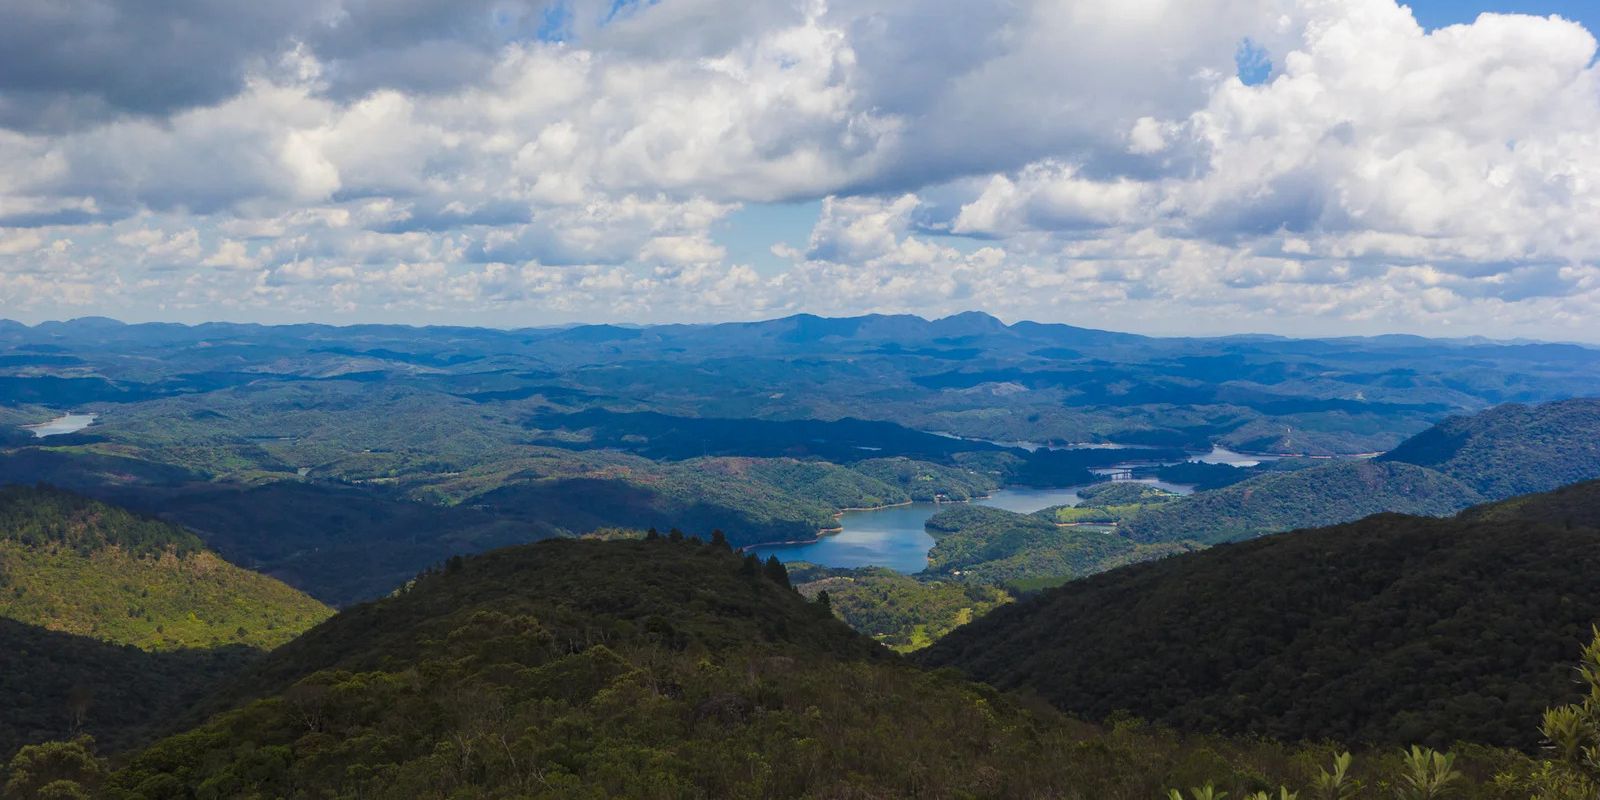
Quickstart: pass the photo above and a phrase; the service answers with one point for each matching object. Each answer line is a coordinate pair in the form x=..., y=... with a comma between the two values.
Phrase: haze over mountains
x=417, y=443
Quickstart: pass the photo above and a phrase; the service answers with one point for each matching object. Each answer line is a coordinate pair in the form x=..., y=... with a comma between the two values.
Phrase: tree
x=674, y=535
x=652, y=535
x=776, y=572
x=719, y=539
x=752, y=565
x=825, y=602
x=54, y=770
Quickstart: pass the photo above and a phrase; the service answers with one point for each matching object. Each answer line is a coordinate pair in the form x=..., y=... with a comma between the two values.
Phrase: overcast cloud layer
x=522, y=163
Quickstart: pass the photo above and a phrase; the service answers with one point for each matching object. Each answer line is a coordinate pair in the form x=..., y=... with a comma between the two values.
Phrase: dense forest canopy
x=58, y=685
x=653, y=668
x=1512, y=449
x=1392, y=629
x=48, y=518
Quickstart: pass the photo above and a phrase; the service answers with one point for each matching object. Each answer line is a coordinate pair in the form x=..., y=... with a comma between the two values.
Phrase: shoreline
x=839, y=514
x=838, y=529
x=39, y=429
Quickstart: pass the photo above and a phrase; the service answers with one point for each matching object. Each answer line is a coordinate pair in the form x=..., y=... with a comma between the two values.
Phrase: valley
x=896, y=536
x=270, y=539
x=800, y=400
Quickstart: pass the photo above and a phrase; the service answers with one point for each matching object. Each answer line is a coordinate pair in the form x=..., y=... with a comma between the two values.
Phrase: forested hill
x=586, y=669
x=1324, y=495
x=43, y=516
x=589, y=669
x=1569, y=507
x=1392, y=629
x=576, y=594
x=71, y=564
x=1505, y=451
x=1512, y=449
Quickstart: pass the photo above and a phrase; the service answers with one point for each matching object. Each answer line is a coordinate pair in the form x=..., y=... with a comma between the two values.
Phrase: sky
x=1180, y=167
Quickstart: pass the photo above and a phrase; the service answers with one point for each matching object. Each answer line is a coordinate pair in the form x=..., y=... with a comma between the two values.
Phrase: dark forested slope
x=584, y=669
x=1391, y=629
x=651, y=669
x=54, y=685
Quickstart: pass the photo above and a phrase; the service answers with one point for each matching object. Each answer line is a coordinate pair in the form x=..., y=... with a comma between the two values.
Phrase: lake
x=896, y=537
x=1218, y=454
x=66, y=423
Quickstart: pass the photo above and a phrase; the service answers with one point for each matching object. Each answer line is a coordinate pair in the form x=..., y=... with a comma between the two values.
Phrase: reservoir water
x=896, y=537
x=1222, y=455
x=66, y=423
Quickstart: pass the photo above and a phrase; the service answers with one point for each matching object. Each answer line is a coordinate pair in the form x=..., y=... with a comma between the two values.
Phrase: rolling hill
x=585, y=669
x=1391, y=629
x=978, y=544
x=1512, y=449
x=1324, y=495
x=75, y=565
x=1504, y=451
x=591, y=669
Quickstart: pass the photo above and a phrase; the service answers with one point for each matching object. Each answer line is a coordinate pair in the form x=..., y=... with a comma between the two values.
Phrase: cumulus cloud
x=1073, y=160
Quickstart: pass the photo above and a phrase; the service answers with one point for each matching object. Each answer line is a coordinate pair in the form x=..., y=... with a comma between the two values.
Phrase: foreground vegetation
x=667, y=669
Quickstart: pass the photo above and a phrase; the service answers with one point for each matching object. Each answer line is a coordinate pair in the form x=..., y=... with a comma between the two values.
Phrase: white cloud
x=1099, y=159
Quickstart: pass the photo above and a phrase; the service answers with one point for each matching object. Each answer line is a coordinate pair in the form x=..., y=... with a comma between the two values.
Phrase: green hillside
x=1392, y=629
x=647, y=669
x=925, y=481
x=1122, y=493
x=1323, y=495
x=75, y=565
x=979, y=544
x=1107, y=503
x=902, y=611
x=1512, y=449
